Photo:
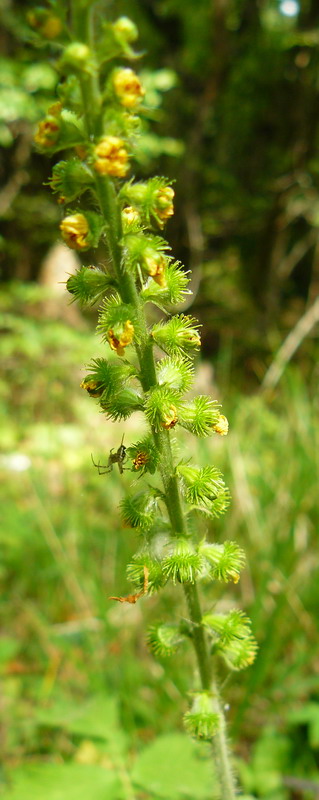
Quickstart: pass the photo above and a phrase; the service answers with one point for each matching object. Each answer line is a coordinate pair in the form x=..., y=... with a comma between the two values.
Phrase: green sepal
x=122, y=403
x=147, y=196
x=161, y=407
x=115, y=40
x=139, y=510
x=177, y=336
x=77, y=58
x=200, y=415
x=184, y=563
x=220, y=504
x=143, y=250
x=175, y=372
x=114, y=315
x=175, y=290
x=89, y=285
x=108, y=377
x=135, y=572
x=71, y=178
x=239, y=653
x=203, y=485
x=145, y=454
x=203, y=719
x=164, y=639
x=70, y=134
x=234, y=625
x=224, y=561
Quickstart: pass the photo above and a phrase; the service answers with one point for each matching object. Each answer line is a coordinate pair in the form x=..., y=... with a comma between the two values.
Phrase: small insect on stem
x=132, y=598
x=114, y=458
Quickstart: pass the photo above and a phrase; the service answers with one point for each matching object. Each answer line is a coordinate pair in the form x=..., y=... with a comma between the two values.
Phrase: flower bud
x=75, y=231
x=121, y=337
x=47, y=24
x=164, y=208
x=111, y=157
x=154, y=199
x=202, y=720
x=127, y=87
x=125, y=29
x=155, y=263
x=76, y=56
x=130, y=219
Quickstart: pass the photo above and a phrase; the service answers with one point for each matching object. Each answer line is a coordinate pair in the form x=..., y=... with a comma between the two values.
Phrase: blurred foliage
x=66, y=651
x=232, y=87
x=232, y=97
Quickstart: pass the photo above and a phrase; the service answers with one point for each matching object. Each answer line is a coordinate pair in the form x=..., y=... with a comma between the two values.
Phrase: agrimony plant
x=97, y=120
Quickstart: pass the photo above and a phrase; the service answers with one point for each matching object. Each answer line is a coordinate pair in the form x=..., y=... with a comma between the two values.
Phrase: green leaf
x=61, y=781
x=93, y=718
x=173, y=766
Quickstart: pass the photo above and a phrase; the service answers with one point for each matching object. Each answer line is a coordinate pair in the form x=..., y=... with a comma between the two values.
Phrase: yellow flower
x=127, y=87
x=221, y=426
x=92, y=387
x=55, y=109
x=170, y=418
x=118, y=343
x=155, y=265
x=75, y=229
x=164, y=208
x=140, y=460
x=130, y=215
x=47, y=24
x=47, y=132
x=111, y=157
x=51, y=27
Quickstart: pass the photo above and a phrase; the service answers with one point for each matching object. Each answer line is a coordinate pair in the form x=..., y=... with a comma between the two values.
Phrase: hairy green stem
x=126, y=285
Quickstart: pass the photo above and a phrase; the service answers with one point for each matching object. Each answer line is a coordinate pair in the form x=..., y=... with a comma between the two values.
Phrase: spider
x=114, y=458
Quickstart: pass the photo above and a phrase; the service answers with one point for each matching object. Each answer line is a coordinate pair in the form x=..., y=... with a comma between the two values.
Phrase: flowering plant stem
x=129, y=294
x=98, y=116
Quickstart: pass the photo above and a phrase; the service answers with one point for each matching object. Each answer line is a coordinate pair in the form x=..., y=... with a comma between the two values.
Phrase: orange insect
x=132, y=598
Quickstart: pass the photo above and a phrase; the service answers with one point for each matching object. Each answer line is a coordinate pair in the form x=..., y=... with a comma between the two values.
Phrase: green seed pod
x=164, y=639
x=178, y=336
x=89, y=285
x=203, y=485
x=70, y=179
x=225, y=561
x=200, y=416
x=239, y=653
x=202, y=720
x=138, y=510
x=161, y=408
x=228, y=627
x=135, y=571
x=184, y=563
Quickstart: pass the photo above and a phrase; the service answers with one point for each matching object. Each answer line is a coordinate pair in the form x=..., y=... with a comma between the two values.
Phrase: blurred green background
x=232, y=113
